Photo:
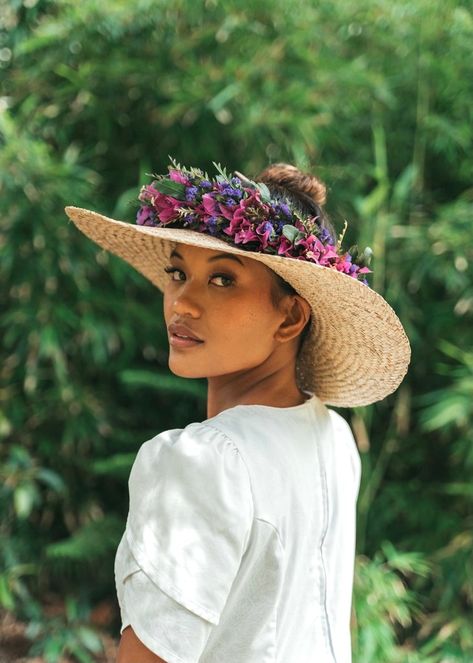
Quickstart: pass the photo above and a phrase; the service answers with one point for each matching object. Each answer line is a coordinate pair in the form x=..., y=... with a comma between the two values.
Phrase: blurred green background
x=374, y=96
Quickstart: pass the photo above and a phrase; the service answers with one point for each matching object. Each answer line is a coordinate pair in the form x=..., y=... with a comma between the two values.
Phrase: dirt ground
x=14, y=645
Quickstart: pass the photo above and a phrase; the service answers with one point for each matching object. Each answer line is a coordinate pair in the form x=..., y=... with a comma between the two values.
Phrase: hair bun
x=294, y=180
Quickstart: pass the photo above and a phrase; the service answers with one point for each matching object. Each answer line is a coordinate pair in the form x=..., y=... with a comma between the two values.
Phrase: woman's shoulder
x=195, y=437
x=197, y=453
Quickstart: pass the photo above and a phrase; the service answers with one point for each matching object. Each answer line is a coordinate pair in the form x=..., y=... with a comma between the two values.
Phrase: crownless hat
x=356, y=351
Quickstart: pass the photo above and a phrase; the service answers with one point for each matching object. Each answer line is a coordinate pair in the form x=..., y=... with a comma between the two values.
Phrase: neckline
x=309, y=401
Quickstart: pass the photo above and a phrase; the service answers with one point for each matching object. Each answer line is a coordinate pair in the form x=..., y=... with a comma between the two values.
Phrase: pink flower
x=209, y=204
x=312, y=248
x=286, y=247
x=167, y=207
x=249, y=210
x=227, y=211
x=148, y=193
x=176, y=176
x=264, y=230
x=245, y=233
x=328, y=257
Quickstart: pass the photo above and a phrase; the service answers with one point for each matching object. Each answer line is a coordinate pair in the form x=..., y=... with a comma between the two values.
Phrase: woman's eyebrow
x=220, y=256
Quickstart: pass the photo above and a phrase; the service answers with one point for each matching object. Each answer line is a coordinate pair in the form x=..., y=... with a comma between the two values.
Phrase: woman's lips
x=182, y=342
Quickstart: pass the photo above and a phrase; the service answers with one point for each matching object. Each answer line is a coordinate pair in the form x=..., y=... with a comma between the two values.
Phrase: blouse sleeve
x=188, y=526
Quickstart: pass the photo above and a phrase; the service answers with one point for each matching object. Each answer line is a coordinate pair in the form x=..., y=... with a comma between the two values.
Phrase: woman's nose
x=186, y=301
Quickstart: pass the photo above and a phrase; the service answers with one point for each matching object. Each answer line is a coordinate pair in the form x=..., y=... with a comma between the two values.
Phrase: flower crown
x=242, y=212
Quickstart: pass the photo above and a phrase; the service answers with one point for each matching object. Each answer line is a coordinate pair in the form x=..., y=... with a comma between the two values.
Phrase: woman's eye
x=225, y=281
x=172, y=271
x=178, y=275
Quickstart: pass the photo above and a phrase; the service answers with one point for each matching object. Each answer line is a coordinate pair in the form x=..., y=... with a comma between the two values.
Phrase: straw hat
x=356, y=351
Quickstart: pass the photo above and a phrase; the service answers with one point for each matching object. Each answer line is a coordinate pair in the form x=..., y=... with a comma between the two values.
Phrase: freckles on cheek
x=249, y=322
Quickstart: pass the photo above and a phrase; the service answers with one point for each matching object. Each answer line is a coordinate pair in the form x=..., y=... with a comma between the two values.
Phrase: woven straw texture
x=356, y=351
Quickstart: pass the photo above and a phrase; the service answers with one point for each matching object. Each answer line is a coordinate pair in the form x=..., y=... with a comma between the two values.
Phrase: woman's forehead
x=190, y=252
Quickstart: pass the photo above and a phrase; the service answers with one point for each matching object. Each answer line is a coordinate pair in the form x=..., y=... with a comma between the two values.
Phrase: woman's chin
x=185, y=369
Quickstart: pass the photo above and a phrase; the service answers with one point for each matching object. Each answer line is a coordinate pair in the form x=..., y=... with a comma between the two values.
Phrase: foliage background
x=377, y=98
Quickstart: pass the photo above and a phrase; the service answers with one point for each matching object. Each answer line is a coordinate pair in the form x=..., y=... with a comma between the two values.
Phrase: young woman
x=239, y=544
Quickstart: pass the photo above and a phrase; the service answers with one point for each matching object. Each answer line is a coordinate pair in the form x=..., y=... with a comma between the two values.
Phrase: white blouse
x=239, y=544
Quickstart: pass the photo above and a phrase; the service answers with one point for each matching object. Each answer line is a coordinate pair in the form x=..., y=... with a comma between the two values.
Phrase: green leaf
x=171, y=188
x=163, y=382
x=6, y=597
x=89, y=639
x=51, y=479
x=291, y=232
x=265, y=194
x=117, y=465
x=24, y=498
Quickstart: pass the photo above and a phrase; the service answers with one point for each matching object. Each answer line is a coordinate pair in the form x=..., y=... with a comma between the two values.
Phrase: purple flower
x=325, y=236
x=146, y=216
x=212, y=225
x=205, y=184
x=228, y=190
x=189, y=219
x=278, y=226
x=191, y=193
x=282, y=208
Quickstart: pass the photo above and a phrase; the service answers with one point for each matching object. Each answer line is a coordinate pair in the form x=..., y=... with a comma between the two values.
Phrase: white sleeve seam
x=223, y=434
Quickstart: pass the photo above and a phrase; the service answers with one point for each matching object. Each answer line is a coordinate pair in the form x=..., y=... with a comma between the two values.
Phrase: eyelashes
x=226, y=277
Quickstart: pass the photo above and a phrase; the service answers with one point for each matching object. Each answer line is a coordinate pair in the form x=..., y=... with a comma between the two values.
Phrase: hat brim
x=356, y=351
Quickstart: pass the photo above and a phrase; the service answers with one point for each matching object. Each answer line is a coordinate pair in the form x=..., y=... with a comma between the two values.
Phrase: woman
x=239, y=544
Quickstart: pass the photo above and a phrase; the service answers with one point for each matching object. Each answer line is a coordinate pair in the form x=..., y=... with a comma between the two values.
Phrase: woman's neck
x=271, y=383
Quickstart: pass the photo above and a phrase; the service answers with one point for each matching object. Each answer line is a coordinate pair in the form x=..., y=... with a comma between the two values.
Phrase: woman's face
x=225, y=302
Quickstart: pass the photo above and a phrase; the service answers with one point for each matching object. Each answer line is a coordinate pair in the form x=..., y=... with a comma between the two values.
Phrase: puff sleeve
x=188, y=526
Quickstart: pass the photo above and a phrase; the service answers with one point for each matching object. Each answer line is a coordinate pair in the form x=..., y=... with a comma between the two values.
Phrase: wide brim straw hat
x=356, y=351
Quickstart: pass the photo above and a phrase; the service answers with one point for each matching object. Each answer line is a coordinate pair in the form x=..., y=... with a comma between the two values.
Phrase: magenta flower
x=246, y=233
x=285, y=247
x=209, y=204
x=176, y=176
x=167, y=207
x=148, y=193
x=227, y=211
x=249, y=209
x=264, y=230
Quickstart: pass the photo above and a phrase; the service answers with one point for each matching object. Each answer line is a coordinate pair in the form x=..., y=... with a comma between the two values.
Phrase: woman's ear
x=297, y=313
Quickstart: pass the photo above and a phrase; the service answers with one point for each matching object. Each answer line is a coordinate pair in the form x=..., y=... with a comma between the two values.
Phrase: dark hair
x=306, y=193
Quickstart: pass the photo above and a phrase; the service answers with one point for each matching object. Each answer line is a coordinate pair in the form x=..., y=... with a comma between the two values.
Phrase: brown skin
x=249, y=349
x=132, y=650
